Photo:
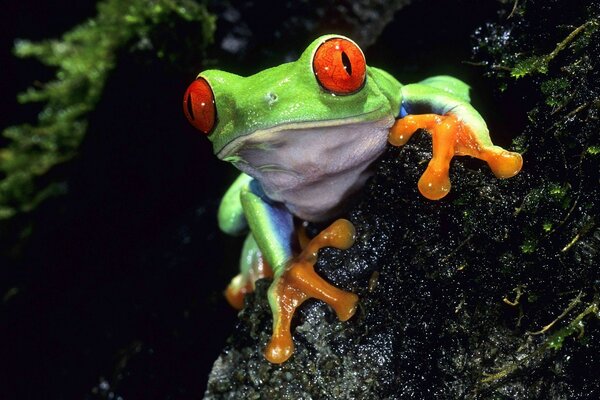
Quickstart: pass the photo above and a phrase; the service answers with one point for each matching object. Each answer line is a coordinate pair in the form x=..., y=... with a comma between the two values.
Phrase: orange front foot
x=451, y=137
x=299, y=282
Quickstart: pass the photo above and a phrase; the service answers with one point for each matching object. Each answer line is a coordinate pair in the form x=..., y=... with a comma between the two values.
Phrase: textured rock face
x=431, y=321
x=491, y=292
x=419, y=298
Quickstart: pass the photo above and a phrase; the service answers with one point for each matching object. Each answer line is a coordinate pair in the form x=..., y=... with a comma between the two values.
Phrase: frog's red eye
x=340, y=66
x=199, y=106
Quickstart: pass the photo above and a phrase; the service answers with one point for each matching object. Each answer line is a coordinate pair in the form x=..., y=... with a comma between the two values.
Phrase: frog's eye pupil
x=199, y=106
x=339, y=66
x=347, y=63
x=189, y=107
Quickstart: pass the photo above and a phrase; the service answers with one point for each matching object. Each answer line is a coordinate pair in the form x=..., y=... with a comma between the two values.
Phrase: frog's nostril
x=271, y=98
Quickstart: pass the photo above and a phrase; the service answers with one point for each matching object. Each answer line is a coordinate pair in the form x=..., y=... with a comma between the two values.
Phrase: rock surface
x=489, y=293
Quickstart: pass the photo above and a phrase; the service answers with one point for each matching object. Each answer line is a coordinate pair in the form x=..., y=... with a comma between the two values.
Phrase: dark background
x=118, y=287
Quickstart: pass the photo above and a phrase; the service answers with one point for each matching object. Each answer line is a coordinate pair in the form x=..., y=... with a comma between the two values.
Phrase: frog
x=306, y=136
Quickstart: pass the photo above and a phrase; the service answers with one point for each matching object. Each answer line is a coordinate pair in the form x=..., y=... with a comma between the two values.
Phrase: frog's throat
x=313, y=171
x=232, y=147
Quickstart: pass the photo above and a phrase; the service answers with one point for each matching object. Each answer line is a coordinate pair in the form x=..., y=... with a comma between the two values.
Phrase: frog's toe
x=243, y=284
x=299, y=282
x=404, y=128
x=434, y=183
x=253, y=266
x=237, y=290
x=445, y=133
x=503, y=163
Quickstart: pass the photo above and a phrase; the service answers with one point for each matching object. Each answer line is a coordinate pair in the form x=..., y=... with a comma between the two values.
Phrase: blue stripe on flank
x=277, y=226
x=403, y=112
x=257, y=189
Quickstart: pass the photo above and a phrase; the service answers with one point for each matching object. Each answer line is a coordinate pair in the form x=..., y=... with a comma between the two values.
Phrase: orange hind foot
x=299, y=282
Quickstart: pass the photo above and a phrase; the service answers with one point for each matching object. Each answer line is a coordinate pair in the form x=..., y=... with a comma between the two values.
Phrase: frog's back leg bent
x=441, y=106
x=295, y=279
x=252, y=264
x=253, y=267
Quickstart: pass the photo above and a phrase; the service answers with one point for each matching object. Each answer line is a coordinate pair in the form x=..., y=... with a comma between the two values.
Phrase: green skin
x=288, y=101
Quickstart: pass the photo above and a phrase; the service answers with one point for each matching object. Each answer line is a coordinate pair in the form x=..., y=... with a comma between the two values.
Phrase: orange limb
x=451, y=137
x=242, y=284
x=299, y=282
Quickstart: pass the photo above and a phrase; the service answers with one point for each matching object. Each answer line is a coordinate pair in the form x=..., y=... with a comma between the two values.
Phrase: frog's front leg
x=295, y=279
x=441, y=106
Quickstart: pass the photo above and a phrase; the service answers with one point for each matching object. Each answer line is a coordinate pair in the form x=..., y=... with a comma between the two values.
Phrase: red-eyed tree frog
x=305, y=135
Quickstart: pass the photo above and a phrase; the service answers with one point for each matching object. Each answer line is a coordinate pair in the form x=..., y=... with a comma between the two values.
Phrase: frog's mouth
x=230, y=151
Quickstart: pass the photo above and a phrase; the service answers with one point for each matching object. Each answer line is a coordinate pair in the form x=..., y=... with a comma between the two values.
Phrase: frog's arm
x=441, y=106
x=295, y=280
x=231, y=215
x=449, y=84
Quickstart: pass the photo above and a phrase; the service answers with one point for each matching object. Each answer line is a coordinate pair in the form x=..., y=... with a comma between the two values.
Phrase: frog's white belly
x=313, y=171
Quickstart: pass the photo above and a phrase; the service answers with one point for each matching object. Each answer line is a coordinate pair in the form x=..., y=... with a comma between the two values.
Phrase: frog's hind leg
x=253, y=266
x=299, y=282
x=295, y=279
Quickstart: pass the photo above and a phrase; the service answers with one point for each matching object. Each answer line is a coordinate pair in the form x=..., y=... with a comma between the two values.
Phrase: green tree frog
x=305, y=135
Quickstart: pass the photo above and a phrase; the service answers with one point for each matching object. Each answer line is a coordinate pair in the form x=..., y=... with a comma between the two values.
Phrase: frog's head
x=329, y=85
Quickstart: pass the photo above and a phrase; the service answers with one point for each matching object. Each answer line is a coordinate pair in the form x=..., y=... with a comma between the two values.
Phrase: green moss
x=520, y=144
x=530, y=65
x=529, y=246
x=593, y=150
x=558, y=190
x=539, y=64
x=556, y=91
x=83, y=59
x=577, y=325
